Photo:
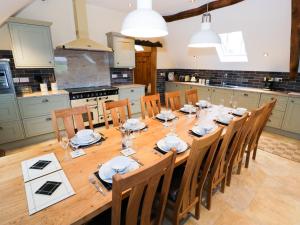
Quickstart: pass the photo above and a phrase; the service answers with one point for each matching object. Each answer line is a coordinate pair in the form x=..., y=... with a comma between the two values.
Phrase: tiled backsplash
x=119, y=72
x=34, y=75
x=241, y=78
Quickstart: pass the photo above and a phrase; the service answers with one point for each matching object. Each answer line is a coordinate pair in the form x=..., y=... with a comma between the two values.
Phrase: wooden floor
x=268, y=193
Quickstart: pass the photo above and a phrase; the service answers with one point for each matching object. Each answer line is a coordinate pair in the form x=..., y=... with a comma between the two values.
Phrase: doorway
x=145, y=69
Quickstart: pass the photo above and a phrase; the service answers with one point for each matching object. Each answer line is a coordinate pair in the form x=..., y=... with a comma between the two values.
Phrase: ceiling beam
x=200, y=10
x=295, y=39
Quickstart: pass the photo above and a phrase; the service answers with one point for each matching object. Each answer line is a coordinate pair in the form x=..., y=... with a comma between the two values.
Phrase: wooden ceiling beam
x=295, y=40
x=200, y=10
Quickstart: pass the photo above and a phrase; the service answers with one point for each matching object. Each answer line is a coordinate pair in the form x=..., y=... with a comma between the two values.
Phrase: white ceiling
x=164, y=7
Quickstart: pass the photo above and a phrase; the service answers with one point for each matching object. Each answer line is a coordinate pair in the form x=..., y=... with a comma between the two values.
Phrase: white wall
x=266, y=28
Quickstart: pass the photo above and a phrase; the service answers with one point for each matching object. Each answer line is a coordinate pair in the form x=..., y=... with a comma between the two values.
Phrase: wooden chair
x=151, y=104
x=191, y=96
x=71, y=117
x=117, y=110
x=258, y=128
x=141, y=187
x=172, y=100
x=219, y=168
x=189, y=192
x=247, y=130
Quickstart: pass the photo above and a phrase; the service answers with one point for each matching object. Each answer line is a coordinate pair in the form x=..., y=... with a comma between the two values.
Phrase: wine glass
x=231, y=100
x=190, y=109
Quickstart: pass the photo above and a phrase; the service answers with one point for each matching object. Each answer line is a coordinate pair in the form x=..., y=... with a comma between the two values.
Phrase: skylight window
x=232, y=48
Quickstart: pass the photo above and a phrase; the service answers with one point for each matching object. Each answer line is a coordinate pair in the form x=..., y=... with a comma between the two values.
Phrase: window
x=232, y=48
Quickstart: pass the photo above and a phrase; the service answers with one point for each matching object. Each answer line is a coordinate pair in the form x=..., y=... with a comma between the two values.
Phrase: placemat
x=108, y=186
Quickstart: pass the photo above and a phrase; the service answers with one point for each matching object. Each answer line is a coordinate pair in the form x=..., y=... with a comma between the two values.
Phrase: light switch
x=16, y=80
x=125, y=75
x=114, y=76
x=24, y=79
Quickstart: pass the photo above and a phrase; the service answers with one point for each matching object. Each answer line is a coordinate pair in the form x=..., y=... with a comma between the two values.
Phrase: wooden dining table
x=87, y=202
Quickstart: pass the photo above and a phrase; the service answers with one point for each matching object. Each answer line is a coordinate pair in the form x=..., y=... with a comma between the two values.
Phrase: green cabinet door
x=291, y=120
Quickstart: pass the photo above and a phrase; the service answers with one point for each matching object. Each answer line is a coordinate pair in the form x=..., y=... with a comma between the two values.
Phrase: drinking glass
x=173, y=126
x=231, y=101
x=190, y=110
x=208, y=99
x=234, y=104
x=65, y=142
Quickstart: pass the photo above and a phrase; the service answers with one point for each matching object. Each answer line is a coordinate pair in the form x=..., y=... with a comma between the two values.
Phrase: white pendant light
x=144, y=22
x=206, y=37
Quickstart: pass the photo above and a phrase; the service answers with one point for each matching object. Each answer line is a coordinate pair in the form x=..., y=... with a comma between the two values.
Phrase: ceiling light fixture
x=144, y=22
x=205, y=38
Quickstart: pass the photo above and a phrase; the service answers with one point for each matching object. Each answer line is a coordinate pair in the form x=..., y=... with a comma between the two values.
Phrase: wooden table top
x=87, y=202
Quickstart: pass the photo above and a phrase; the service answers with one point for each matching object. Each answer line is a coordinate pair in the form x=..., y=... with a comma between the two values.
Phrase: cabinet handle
x=269, y=120
x=50, y=62
x=45, y=100
x=292, y=101
x=1, y=128
x=272, y=98
x=48, y=119
x=132, y=104
x=245, y=94
x=131, y=90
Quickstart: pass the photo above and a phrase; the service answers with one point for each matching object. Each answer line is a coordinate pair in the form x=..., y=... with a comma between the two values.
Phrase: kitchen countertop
x=129, y=86
x=257, y=90
x=41, y=94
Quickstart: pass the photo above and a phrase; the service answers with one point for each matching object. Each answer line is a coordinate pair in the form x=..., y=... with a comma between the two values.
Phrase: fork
x=93, y=181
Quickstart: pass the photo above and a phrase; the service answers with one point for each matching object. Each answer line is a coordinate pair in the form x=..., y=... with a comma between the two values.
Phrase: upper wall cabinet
x=31, y=43
x=123, y=50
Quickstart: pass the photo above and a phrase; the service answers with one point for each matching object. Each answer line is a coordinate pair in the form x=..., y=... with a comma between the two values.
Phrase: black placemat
x=162, y=120
x=184, y=112
x=225, y=124
x=48, y=188
x=108, y=186
x=159, y=150
x=194, y=134
x=41, y=164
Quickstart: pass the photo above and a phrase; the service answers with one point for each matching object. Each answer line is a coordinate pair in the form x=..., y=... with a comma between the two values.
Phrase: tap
x=223, y=83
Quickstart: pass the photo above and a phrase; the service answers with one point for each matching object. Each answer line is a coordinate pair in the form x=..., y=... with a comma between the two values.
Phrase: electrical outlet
x=125, y=75
x=24, y=79
x=114, y=76
x=16, y=80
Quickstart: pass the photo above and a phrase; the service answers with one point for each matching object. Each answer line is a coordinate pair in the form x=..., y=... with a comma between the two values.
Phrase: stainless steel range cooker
x=94, y=97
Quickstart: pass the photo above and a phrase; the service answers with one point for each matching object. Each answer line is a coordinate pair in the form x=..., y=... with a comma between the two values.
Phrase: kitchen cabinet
x=8, y=108
x=123, y=50
x=134, y=94
x=247, y=99
x=291, y=120
x=31, y=43
x=11, y=131
x=218, y=94
x=36, y=112
x=204, y=93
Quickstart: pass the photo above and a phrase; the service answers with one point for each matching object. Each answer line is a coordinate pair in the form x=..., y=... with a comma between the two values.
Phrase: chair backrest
x=172, y=100
x=142, y=185
x=191, y=187
x=191, y=96
x=261, y=123
x=71, y=117
x=118, y=111
x=246, y=134
x=151, y=105
x=226, y=149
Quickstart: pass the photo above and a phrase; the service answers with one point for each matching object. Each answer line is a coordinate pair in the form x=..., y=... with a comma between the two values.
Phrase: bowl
x=172, y=141
x=225, y=118
x=240, y=111
x=203, y=103
x=132, y=122
x=85, y=134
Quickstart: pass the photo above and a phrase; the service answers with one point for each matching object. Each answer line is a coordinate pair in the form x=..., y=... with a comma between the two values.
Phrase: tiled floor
x=268, y=193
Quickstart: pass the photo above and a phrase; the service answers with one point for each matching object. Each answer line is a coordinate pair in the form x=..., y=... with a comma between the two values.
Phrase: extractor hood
x=83, y=42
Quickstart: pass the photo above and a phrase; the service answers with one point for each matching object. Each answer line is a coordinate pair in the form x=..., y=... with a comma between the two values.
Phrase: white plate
x=161, y=144
x=139, y=126
x=76, y=141
x=203, y=131
x=161, y=117
x=106, y=172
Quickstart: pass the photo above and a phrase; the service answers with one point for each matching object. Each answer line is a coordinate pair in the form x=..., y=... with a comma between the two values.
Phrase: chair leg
x=209, y=196
x=239, y=168
x=247, y=159
x=198, y=207
x=254, y=152
x=223, y=184
x=176, y=220
x=229, y=174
